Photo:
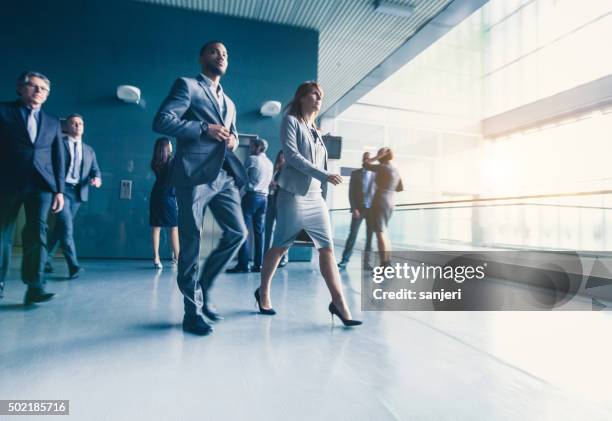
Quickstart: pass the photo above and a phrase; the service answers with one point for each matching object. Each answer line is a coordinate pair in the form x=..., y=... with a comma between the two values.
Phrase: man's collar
x=208, y=81
x=30, y=107
x=74, y=139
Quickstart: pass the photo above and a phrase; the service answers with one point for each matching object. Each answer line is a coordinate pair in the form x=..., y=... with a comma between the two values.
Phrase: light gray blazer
x=198, y=157
x=297, y=143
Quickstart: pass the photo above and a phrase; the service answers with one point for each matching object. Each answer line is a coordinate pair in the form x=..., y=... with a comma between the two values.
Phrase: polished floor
x=111, y=343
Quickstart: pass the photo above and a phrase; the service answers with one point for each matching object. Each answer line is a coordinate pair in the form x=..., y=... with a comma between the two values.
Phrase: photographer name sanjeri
x=408, y=294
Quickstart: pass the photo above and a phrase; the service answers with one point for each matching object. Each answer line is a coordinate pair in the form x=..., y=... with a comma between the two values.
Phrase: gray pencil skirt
x=296, y=213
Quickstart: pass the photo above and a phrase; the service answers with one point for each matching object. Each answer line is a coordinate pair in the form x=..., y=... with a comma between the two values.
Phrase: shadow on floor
x=17, y=307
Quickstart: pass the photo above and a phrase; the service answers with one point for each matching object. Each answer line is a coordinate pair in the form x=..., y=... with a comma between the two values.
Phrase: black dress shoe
x=48, y=268
x=1, y=290
x=237, y=270
x=36, y=296
x=342, y=265
x=74, y=273
x=256, y=269
x=210, y=314
x=282, y=263
x=196, y=325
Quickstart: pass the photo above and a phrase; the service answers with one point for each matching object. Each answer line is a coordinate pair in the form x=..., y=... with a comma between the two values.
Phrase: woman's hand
x=335, y=179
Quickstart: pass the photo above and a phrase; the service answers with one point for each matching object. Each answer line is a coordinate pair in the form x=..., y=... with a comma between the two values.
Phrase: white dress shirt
x=74, y=174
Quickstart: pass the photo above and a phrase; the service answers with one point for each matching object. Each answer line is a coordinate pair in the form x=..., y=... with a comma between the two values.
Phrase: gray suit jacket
x=89, y=169
x=297, y=141
x=199, y=158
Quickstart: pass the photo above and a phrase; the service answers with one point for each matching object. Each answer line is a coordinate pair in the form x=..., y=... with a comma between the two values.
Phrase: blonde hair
x=387, y=155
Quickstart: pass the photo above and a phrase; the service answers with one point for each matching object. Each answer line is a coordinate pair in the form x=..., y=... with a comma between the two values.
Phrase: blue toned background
x=88, y=48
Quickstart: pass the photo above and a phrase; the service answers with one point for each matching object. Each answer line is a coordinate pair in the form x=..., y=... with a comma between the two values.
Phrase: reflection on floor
x=111, y=343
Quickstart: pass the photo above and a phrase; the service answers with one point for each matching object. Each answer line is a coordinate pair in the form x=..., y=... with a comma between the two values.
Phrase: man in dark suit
x=31, y=174
x=206, y=173
x=361, y=193
x=81, y=171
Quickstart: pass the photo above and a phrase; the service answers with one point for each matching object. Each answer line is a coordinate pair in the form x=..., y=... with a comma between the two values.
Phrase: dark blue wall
x=87, y=48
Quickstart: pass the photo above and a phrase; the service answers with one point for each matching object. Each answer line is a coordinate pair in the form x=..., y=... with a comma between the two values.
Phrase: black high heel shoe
x=347, y=322
x=268, y=311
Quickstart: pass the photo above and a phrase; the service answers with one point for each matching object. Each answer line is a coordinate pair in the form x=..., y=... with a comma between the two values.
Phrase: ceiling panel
x=353, y=38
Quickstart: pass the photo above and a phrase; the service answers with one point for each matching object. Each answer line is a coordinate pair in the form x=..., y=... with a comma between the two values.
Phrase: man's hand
x=96, y=182
x=58, y=203
x=356, y=214
x=231, y=141
x=335, y=179
x=219, y=132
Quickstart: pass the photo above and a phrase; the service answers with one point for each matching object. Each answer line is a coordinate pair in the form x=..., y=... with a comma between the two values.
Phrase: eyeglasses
x=36, y=87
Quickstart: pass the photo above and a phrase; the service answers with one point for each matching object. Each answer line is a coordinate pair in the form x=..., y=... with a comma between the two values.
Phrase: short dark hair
x=75, y=115
x=261, y=145
x=208, y=44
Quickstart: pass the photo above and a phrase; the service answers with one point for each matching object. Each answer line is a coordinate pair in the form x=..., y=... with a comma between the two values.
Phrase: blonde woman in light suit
x=301, y=199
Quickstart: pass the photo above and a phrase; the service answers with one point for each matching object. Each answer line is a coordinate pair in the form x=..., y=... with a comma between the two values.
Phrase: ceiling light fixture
x=393, y=9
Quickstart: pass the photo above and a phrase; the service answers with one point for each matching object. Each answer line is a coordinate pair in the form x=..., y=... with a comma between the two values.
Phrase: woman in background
x=300, y=202
x=388, y=182
x=279, y=162
x=163, y=210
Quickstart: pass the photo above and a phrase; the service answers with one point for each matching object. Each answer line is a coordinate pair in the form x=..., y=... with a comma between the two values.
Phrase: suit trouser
x=63, y=231
x=34, y=234
x=223, y=199
x=6, y=245
x=354, y=230
x=254, y=211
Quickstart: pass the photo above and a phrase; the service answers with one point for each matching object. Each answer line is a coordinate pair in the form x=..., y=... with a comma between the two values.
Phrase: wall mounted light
x=128, y=93
x=270, y=108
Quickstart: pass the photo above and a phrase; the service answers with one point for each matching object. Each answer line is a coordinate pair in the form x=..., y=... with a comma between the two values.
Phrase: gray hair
x=24, y=78
x=260, y=144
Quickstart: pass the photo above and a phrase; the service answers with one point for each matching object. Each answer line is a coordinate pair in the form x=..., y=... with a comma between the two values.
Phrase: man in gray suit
x=361, y=193
x=81, y=171
x=206, y=173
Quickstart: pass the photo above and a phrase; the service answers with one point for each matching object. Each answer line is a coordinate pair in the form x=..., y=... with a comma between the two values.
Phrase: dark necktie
x=75, y=169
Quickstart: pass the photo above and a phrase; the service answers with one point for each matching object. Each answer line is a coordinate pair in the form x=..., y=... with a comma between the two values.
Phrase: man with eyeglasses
x=32, y=175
